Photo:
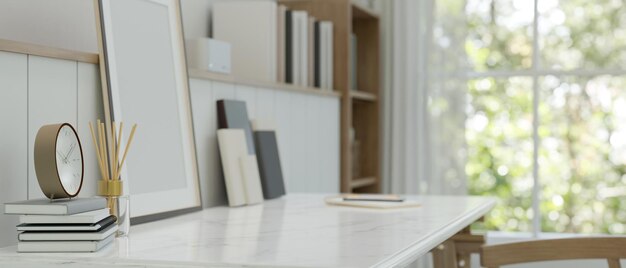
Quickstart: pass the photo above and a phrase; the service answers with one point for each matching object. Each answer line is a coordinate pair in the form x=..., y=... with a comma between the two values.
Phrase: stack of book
x=71, y=225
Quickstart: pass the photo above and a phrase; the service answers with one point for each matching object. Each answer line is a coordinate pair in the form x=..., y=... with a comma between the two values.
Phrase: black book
x=43, y=227
x=269, y=164
x=317, y=56
x=233, y=114
x=288, y=47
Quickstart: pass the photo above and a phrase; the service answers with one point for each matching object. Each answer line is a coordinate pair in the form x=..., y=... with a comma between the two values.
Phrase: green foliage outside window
x=582, y=126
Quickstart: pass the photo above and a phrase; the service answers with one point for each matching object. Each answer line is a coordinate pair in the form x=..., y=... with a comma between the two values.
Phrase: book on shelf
x=353, y=61
x=64, y=246
x=280, y=43
x=317, y=75
x=68, y=235
x=88, y=217
x=251, y=28
x=327, y=31
x=289, y=75
x=296, y=52
x=311, y=52
x=303, y=51
x=323, y=55
x=68, y=226
x=45, y=206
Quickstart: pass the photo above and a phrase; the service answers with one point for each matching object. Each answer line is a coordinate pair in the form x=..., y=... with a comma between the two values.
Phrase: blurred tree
x=582, y=130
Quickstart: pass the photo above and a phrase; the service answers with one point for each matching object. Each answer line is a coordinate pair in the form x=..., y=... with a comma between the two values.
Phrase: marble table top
x=298, y=230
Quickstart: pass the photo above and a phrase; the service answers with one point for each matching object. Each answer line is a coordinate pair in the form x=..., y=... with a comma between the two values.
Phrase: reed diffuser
x=111, y=186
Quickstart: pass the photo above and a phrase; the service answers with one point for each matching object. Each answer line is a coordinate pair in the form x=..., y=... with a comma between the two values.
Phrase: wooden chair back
x=610, y=248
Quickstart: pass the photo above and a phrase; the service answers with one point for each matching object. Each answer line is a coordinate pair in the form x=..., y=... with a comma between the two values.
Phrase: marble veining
x=298, y=230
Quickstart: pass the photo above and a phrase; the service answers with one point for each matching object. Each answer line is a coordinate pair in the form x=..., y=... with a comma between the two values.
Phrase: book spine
x=311, y=53
x=221, y=115
x=74, y=208
x=288, y=47
x=317, y=56
x=295, y=52
x=280, y=45
x=304, y=50
x=330, y=56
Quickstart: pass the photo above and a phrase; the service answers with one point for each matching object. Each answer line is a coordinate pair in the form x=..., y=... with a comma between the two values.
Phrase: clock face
x=69, y=160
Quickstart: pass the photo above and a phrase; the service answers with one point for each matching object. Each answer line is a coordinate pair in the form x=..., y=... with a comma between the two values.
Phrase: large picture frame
x=144, y=81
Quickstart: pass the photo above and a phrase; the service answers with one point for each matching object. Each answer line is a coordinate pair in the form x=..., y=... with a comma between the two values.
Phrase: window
x=546, y=114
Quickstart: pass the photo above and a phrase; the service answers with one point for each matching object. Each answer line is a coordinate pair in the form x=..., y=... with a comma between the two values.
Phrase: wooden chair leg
x=438, y=261
x=456, y=251
x=614, y=263
x=444, y=255
x=466, y=244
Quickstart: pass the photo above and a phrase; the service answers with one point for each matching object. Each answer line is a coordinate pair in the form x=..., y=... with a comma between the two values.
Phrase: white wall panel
x=203, y=120
x=13, y=140
x=329, y=141
x=90, y=108
x=282, y=103
x=312, y=145
x=52, y=99
x=265, y=108
x=297, y=144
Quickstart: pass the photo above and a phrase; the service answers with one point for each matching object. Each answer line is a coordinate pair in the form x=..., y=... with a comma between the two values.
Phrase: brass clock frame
x=46, y=161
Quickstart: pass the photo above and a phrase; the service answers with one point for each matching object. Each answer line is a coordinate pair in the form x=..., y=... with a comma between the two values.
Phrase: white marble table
x=298, y=230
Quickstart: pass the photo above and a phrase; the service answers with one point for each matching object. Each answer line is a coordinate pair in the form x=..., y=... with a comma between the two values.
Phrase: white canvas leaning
x=232, y=144
x=241, y=171
x=252, y=179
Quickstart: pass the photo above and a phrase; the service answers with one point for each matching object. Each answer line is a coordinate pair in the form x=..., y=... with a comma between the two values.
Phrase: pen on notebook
x=373, y=198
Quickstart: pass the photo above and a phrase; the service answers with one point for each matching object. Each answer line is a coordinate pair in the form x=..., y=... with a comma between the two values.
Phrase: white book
x=250, y=27
x=45, y=206
x=84, y=218
x=323, y=56
x=280, y=45
x=326, y=29
x=68, y=236
x=232, y=145
x=296, y=65
x=63, y=246
x=303, y=27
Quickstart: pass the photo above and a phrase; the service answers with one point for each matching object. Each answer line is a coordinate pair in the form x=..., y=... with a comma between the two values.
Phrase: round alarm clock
x=59, y=161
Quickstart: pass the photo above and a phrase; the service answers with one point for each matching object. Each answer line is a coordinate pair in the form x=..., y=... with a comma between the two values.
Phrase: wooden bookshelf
x=359, y=109
x=202, y=74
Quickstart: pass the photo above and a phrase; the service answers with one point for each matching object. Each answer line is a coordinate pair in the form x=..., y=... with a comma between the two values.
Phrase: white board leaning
x=144, y=81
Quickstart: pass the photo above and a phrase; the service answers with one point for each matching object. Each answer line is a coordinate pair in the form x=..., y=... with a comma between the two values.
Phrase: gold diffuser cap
x=110, y=187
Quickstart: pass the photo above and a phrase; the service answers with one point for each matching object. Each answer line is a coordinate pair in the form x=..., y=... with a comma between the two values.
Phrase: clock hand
x=61, y=155
x=70, y=151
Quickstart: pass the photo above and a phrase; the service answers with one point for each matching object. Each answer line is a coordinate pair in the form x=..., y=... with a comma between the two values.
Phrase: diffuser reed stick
x=111, y=171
